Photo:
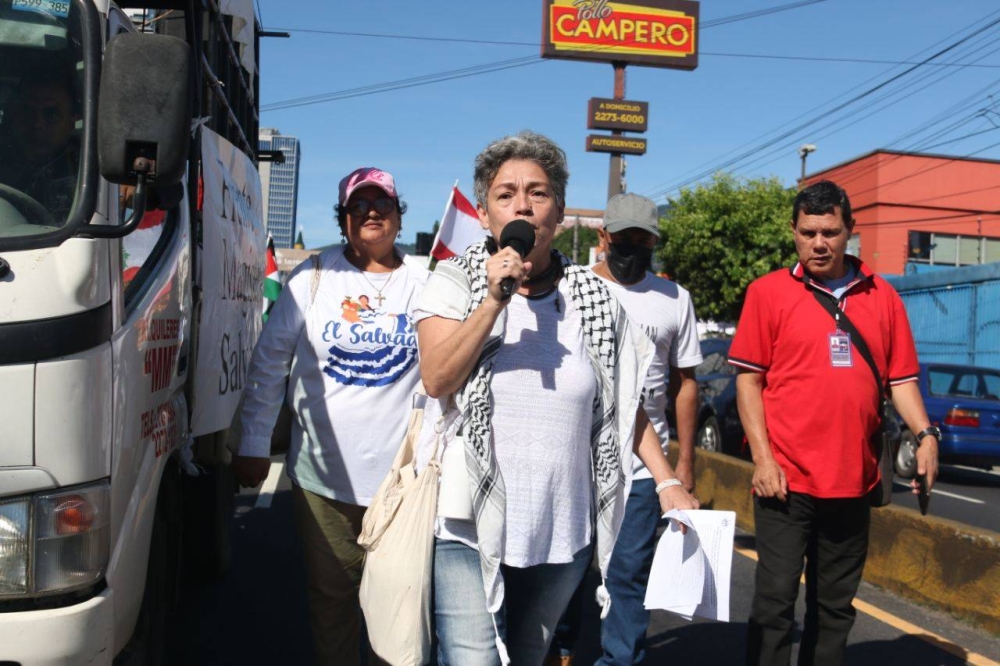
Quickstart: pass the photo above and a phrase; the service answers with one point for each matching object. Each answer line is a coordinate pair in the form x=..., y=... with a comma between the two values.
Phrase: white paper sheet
x=691, y=572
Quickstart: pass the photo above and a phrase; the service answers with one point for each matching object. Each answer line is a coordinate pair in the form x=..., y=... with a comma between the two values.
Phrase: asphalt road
x=963, y=494
x=256, y=614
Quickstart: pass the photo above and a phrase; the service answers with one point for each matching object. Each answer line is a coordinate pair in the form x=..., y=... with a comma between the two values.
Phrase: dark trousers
x=329, y=530
x=831, y=535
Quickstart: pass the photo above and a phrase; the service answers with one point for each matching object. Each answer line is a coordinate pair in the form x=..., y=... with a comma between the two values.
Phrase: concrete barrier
x=930, y=560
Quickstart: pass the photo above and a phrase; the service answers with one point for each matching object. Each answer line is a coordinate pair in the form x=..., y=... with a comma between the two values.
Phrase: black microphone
x=520, y=235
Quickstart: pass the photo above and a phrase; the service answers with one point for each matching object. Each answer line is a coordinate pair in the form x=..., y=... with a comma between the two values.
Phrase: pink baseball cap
x=362, y=178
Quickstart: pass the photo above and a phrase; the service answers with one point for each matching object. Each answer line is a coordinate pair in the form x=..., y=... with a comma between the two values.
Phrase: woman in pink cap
x=348, y=374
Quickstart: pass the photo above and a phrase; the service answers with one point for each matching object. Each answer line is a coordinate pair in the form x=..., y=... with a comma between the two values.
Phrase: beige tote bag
x=398, y=533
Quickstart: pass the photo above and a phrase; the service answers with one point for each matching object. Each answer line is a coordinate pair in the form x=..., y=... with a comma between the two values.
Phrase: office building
x=280, y=185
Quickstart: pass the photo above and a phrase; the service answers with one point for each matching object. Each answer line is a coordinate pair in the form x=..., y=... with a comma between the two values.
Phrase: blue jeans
x=623, y=632
x=534, y=598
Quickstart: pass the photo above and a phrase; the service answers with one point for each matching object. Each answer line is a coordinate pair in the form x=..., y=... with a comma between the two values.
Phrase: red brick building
x=924, y=210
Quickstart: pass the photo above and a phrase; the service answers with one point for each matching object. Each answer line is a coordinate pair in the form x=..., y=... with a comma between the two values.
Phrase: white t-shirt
x=543, y=392
x=663, y=309
x=351, y=379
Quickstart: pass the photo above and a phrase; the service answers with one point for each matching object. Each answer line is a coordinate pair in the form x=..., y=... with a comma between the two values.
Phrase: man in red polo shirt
x=809, y=405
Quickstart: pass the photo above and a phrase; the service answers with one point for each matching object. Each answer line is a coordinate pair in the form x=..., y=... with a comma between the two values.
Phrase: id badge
x=840, y=350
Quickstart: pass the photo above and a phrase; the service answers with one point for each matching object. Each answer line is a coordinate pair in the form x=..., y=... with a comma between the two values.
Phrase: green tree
x=587, y=238
x=721, y=236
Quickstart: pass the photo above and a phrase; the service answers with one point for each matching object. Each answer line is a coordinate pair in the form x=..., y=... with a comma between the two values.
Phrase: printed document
x=691, y=572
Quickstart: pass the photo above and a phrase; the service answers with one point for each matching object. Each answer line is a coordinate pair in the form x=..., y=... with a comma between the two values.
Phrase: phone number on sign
x=604, y=116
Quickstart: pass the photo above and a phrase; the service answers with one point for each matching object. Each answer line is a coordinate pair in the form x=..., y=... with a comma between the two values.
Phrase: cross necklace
x=379, y=297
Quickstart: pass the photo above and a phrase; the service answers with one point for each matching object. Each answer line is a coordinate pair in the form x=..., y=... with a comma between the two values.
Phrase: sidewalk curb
x=934, y=561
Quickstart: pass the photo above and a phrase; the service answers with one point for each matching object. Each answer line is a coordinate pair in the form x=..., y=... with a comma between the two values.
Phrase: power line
x=853, y=119
x=784, y=135
x=490, y=42
x=470, y=71
x=403, y=83
x=862, y=170
x=864, y=61
x=955, y=194
x=757, y=13
x=937, y=219
x=932, y=167
x=663, y=189
x=978, y=97
x=705, y=25
x=982, y=94
x=755, y=151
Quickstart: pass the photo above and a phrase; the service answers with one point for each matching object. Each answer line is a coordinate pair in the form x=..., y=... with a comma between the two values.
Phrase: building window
x=951, y=249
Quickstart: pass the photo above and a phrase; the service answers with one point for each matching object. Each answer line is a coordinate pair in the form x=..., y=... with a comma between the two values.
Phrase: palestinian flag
x=272, y=284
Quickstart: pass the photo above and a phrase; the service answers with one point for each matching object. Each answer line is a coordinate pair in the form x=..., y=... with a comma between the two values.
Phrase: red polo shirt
x=819, y=408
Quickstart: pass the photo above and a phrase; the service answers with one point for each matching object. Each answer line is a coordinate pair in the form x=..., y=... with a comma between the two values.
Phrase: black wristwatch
x=934, y=431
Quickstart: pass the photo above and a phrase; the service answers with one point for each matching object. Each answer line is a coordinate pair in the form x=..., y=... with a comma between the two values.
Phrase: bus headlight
x=14, y=545
x=57, y=541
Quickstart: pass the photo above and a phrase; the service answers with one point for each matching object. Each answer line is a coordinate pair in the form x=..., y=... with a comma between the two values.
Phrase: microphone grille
x=519, y=235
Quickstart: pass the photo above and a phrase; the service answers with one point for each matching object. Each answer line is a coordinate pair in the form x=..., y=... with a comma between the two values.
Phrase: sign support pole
x=615, y=161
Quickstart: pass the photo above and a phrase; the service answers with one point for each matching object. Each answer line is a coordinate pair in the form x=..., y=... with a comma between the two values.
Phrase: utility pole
x=616, y=161
x=576, y=241
x=804, y=150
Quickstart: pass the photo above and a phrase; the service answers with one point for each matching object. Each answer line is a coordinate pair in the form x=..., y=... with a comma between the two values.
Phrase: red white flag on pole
x=459, y=228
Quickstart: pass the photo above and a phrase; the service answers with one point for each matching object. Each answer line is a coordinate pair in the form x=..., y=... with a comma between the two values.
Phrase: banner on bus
x=233, y=249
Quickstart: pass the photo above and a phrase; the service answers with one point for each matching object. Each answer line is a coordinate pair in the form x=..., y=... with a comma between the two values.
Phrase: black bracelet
x=929, y=430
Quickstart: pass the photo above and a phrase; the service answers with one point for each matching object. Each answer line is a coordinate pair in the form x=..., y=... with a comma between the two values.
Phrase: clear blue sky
x=428, y=135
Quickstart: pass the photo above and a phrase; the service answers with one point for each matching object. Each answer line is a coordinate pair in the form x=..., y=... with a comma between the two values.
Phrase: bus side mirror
x=144, y=117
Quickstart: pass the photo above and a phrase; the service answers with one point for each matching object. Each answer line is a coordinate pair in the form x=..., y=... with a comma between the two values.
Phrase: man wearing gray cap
x=664, y=310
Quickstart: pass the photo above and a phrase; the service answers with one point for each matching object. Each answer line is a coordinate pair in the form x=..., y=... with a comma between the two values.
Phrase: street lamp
x=804, y=150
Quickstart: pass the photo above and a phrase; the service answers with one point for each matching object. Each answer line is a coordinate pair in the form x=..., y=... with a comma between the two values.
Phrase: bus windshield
x=41, y=75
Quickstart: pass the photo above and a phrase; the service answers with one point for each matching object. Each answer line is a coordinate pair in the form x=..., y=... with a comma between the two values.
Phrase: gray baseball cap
x=627, y=211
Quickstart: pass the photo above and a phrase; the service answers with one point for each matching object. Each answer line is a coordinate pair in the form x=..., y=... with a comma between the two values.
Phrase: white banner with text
x=232, y=276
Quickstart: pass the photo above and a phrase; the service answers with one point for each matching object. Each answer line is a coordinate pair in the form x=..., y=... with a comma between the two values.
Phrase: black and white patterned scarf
x=620, y=360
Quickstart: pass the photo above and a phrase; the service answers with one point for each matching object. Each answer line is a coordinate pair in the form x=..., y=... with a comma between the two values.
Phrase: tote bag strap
x=316, y=273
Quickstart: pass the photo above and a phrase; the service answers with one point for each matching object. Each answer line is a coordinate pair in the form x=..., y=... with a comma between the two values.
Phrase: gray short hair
x=525, y=145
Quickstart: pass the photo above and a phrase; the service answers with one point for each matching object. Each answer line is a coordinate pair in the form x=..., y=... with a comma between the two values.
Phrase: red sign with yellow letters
x=657, y=33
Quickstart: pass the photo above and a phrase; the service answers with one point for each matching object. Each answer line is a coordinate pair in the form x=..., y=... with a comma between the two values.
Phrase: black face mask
x=628, y=262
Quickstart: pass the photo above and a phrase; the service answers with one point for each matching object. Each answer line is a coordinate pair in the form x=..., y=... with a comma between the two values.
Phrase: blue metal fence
x=954, y=314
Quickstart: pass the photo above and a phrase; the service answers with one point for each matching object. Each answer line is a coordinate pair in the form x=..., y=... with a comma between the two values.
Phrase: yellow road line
x=906, y=627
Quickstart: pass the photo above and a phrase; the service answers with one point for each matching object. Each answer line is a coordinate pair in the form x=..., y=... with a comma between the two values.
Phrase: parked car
x=964, y=401
x=719, y=427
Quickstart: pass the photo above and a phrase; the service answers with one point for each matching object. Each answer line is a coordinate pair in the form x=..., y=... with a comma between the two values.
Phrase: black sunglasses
x=361, y=207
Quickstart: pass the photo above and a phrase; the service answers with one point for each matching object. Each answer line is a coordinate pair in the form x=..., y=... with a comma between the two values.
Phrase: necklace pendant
x=380, y=298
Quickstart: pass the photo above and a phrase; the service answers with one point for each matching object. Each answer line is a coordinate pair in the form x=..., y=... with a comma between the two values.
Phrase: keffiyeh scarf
x=620, y=360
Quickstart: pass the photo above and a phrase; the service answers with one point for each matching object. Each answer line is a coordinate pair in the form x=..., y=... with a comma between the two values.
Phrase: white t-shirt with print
x=663, y=309
x=351, y=363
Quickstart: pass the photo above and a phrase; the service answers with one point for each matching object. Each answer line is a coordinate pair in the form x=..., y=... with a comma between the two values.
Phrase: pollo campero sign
x=655, y=33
